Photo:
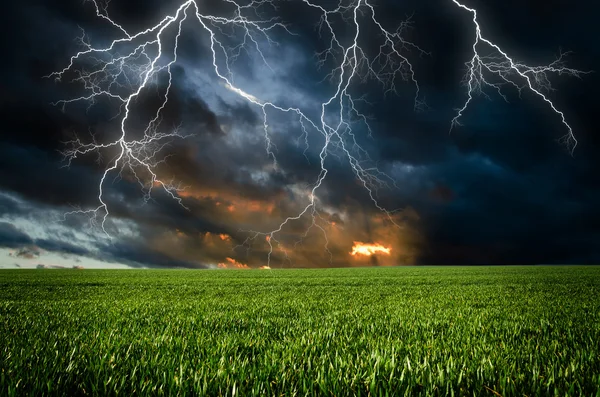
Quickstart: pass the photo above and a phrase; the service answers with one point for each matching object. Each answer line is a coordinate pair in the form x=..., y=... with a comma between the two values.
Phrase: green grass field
x=376, y=331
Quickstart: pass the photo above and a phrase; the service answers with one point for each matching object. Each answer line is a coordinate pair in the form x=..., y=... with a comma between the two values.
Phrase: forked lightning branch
x=136, y=61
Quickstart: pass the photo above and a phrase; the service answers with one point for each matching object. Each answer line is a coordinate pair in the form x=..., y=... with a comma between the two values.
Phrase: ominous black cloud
x=499, y=189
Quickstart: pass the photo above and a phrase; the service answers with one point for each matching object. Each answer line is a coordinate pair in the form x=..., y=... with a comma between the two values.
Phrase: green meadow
x=477, y=331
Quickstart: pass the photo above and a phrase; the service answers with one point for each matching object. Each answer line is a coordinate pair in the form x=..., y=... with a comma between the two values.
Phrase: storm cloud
x=499, y=189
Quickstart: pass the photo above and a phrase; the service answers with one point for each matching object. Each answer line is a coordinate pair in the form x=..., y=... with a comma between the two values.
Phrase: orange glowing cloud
x=198, y=194
x=230, y=201
x=214, y=239
x=254, y=206
x=232, y=264
x=360, y=248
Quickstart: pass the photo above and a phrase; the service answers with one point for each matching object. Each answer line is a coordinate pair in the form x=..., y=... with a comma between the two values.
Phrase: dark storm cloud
x=36, y=174
x=9, y=205
x=242, y=113
x=31, y=165
x=62, y=247
x=131, y=251
x=12, y=237
x=185, y=108
x=136, y=255
x=499, y=189
x=508, y=217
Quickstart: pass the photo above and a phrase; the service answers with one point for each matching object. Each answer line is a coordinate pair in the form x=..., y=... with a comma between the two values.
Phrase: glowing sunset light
x=360, y=248
x=232, y=264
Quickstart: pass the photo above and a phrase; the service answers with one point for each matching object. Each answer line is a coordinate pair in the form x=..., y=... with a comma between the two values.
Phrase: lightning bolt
x=510, y=72
x=132, y=63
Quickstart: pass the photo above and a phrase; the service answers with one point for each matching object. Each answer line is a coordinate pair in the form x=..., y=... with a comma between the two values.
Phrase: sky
x=500, y=188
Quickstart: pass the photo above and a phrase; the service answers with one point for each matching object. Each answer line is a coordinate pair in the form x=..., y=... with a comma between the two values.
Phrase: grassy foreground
x=378, y=331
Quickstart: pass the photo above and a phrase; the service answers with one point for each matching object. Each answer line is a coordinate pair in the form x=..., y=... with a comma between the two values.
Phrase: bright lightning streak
x=132, y=63
x=518, y=75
